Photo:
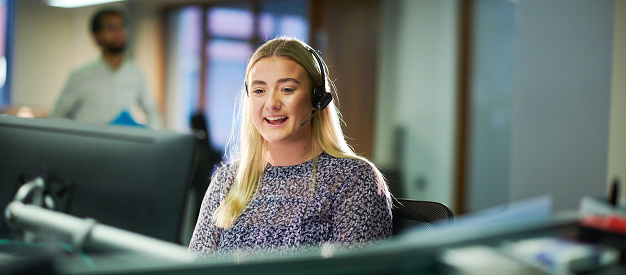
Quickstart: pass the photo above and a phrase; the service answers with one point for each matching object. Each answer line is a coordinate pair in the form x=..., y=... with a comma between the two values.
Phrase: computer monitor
x=127, y=177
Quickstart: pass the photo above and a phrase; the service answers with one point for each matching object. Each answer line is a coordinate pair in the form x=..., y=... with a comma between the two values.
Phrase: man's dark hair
x=96, y=19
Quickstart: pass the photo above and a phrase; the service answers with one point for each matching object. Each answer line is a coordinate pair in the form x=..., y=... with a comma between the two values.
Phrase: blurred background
x=471, y=103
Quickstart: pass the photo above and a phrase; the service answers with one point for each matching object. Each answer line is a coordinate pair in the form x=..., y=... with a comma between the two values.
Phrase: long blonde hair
x=249, y=148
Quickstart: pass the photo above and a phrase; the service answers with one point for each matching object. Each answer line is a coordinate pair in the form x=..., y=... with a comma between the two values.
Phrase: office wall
x=45, y=50
x=50, y=42
x=147, y=48
x=490, y=101
x=561, y=99
x=617, y=133
x=416, y=95
x=553, y=120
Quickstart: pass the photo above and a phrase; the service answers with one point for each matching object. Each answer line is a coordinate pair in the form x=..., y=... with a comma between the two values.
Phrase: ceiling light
x=76, y=3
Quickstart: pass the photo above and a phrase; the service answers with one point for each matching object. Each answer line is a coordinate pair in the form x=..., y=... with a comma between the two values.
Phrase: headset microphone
x=309, y=119
x=323, y=103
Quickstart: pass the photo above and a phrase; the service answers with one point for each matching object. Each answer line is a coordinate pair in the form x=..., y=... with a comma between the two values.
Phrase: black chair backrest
x=410, y=215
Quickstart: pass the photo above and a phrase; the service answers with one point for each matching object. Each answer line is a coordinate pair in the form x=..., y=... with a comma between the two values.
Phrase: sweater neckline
x=306, y=163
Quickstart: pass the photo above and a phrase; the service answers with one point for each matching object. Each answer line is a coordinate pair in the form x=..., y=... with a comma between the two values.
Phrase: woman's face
x=280, y=99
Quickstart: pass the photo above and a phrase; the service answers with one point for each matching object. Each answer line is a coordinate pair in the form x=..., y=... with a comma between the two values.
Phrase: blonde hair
x=249, y=148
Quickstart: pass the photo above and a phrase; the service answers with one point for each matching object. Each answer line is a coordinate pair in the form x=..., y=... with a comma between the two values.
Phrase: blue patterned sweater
x=343, y=206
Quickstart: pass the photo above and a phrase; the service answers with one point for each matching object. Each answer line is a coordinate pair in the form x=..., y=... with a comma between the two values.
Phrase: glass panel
x=190, y=39
x=288, y=18
x=230, y=22
x=227, y=66
x=294, y=26
x=4, y=96
x=183, y=72
x=492, y=84
x=267, y=26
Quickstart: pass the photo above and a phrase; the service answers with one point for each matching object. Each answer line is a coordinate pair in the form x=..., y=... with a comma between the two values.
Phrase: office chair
x=410, y=215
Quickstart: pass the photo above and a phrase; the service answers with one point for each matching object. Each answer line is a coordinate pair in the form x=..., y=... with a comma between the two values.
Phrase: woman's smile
x=276, y=120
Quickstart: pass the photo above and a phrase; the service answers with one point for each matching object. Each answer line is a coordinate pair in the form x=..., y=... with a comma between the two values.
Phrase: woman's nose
x=273, y=101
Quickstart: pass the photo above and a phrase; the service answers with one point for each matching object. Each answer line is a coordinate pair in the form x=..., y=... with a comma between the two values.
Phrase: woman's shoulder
x=225, y=173
x=351, y=174
x=347, y=164
x=226, y=169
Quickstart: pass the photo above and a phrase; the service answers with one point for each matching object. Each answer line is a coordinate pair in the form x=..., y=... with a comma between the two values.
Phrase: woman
x=295, y=181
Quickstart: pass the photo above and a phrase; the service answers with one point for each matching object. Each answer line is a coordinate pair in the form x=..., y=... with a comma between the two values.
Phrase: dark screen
x=127, y=177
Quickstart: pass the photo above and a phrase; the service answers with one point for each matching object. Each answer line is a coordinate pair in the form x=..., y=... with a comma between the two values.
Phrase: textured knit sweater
x=341, y=204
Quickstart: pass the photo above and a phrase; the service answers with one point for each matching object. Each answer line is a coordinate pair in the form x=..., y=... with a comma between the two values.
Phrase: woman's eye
x=257, y=91
x=288, y=90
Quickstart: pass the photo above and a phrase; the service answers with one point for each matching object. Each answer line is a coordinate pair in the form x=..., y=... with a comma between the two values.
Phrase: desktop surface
x=419, y=252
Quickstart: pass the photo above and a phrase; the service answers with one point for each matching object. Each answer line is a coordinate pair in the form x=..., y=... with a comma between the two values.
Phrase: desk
x=418, y=252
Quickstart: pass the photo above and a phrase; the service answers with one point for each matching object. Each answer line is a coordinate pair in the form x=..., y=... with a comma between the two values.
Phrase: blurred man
x=109, y=89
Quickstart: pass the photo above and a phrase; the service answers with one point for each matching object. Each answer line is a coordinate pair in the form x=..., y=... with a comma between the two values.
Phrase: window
x=6, y=34
x=209, y=47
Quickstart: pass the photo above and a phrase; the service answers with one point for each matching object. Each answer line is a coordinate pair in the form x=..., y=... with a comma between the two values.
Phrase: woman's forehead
x=276, y=67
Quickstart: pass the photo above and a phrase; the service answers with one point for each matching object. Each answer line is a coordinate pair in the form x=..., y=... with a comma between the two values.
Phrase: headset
x=319, y=97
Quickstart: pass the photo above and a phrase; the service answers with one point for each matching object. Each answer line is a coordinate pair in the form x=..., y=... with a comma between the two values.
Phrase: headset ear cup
x=326, y=99
x=319, y=97
x=316, y=95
